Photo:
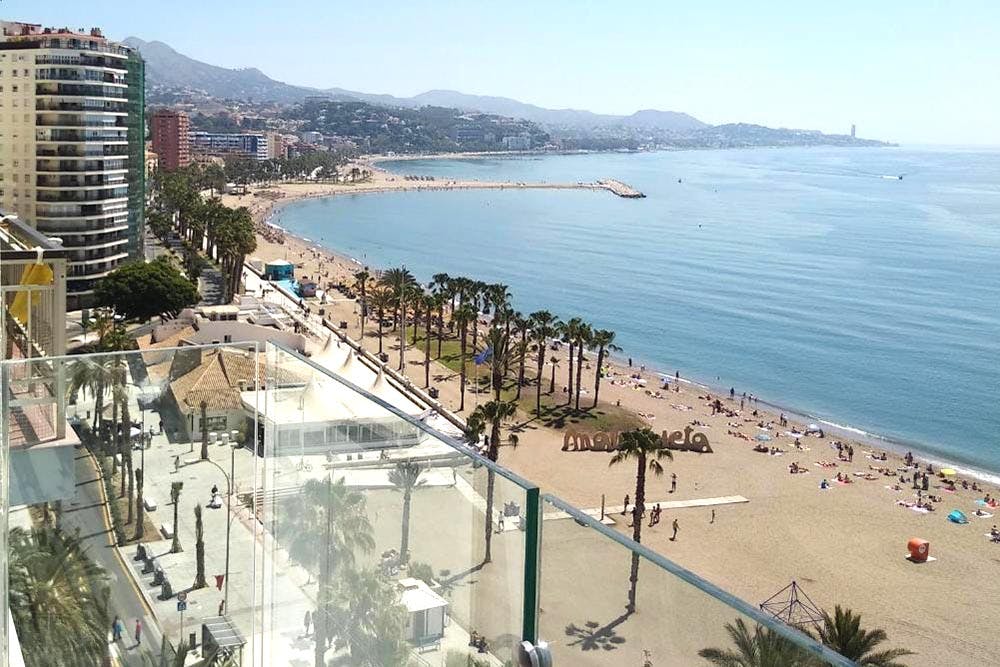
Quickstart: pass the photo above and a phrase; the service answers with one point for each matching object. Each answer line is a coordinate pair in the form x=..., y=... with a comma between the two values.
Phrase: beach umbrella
x=948, y=472
x=763, y=437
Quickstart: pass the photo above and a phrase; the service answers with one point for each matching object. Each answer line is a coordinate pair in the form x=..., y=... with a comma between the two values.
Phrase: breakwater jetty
x=620, y=189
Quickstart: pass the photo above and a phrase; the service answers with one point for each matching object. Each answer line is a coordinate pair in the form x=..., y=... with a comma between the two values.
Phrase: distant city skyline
x=915, y=73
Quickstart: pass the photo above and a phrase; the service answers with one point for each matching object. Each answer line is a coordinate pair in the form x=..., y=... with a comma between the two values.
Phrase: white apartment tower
x=72, y=146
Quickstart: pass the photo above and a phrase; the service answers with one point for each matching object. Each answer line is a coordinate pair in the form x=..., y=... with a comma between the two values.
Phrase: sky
x=914, y=72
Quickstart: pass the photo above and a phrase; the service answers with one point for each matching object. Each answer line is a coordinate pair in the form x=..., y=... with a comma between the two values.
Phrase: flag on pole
x=483, y=356
x=219, y=578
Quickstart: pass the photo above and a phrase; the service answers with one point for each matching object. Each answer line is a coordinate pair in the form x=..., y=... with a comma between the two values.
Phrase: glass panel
x=375, y=525
x=586, y=616
x=121, y=505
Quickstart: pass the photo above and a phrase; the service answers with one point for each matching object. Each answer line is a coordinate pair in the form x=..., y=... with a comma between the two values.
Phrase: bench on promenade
x=149, y=503
x=167, y=528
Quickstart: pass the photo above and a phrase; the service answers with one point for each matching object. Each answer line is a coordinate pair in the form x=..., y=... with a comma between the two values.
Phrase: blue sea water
x=810, y=277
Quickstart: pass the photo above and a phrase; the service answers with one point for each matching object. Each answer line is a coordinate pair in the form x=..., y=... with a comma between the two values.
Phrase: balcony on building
x=294, y=446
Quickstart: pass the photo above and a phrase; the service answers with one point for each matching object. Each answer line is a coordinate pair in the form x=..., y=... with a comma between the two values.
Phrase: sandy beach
x=844, y=544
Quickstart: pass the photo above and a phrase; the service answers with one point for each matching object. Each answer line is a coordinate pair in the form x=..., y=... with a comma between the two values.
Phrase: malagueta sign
x=607, y=441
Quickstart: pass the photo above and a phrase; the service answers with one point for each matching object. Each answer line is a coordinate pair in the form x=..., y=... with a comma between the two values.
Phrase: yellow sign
x=607, y=441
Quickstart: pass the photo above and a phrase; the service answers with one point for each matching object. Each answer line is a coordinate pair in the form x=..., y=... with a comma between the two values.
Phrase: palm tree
x=462, y=317
x=400, y=281
x=381, y=300
x=361, y=280
x=406, y=477
x=762, y=648
x=493, y=412
x=57, y=597
x=369, y=616
x=843, y=633
x=604, y=340
x=175, y=498
x=140, y=528
x=498, y=343
x=203, y=406
x=584, y=334
x=442, y=286
x=199, y=550
x=543, y=327
x=476, y=297
x=553, y=362
x=430, y=302
x=522, y=325
x=330, y=519
x=474, y=428
x=569, y=331
x=643, y=446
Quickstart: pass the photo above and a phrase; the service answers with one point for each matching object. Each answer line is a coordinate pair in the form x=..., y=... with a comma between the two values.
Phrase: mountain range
x=168, y=69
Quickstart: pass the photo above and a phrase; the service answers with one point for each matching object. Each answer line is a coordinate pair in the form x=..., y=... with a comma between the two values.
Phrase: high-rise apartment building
x=252, y=146
x=169, y=129
x=72, y=151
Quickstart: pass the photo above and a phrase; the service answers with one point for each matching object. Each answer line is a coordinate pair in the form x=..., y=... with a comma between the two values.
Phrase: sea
x=859, y=287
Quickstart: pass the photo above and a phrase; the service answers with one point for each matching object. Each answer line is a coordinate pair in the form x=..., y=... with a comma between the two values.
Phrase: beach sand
x=845, y=545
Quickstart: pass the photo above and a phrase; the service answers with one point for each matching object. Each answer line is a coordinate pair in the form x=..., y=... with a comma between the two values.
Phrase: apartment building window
x=13, y=88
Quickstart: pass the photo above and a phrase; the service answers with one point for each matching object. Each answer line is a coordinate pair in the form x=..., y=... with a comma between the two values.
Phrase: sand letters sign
x=607, y=441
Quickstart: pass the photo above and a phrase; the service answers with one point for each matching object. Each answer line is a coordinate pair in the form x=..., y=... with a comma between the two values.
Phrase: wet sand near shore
x=844, y=545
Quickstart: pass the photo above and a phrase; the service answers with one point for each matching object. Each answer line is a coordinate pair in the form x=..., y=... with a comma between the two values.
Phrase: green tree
x=381, y=301
x=522, y=326
x=570, y=331
x=175, y=498
x=57, y=597
x=199, y=549
x=644, y=447
x=370, y=619
x=493, y=412
x=203, y=406
x=543, y=326
x=462, y=317
x=400, y=282
x=441, y=285
x=405, y=477
x=584, y=335
x=362, y=279
x=761, y=648
x=604, y=341
x=140, y=291
x=140, y=522
x=843, y=633
x=330, y=519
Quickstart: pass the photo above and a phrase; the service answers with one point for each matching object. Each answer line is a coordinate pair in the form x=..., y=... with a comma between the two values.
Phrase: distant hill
x=168, y=69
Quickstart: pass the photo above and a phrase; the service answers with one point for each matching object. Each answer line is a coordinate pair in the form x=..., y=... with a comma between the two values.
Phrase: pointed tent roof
x=333, y=354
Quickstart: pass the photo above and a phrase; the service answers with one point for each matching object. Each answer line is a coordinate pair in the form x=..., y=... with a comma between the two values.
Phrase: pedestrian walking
x=625, y=508
x=676, y=525
x=116, y=629
x=673, y=482
x=500, y=523
x=712, y=520
x=307, y=621
x=138, y=632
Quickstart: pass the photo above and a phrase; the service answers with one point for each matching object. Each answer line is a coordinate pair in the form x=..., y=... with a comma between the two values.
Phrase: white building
x=72, y=153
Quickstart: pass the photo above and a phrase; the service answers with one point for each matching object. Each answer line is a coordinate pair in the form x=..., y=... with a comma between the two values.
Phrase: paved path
x=85, y=513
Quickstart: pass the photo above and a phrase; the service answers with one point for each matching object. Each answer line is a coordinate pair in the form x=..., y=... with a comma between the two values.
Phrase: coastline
x=821, y=537
x=897, y=446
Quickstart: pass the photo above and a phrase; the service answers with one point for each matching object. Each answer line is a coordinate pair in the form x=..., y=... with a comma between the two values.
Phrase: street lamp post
x=229, y=505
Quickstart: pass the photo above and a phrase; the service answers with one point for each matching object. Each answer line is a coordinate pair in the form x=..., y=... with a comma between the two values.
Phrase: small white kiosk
x=426, y=612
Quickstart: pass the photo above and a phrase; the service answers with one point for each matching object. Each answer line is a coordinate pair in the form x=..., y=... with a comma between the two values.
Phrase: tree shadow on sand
x=596, y=637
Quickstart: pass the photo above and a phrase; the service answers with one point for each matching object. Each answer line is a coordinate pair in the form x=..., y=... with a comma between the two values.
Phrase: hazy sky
x=913, y=71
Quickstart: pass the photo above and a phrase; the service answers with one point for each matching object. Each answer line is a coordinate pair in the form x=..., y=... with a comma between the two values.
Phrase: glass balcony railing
x=291, y=511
